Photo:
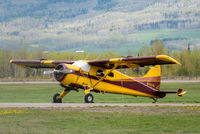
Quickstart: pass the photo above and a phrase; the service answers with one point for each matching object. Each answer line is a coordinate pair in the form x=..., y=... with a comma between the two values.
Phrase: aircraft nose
x=61, y=71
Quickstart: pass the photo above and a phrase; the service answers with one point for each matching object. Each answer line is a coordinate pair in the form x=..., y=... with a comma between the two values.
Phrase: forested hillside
x=98, y=25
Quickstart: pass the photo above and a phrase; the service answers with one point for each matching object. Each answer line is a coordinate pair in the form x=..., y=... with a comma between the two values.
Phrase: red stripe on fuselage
x=136, y=85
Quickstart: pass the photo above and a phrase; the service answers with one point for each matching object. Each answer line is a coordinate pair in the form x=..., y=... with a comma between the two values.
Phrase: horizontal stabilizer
x=180, y=92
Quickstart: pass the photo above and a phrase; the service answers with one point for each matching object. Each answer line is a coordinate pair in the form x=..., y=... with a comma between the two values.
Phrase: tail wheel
x=89, y=98
x=56, y=99
x=154, y=100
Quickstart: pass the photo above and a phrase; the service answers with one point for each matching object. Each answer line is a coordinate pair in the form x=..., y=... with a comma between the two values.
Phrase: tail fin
x=153, y=77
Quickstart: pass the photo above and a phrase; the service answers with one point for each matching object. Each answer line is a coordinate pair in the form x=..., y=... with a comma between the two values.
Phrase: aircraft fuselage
x=115, y=82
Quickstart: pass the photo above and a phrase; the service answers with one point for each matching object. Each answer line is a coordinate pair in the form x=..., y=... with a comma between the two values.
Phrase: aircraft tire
x=55, y=98
x=89, y=98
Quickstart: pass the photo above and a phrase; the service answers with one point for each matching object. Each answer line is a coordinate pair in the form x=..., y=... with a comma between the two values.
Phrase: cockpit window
x=111, y=74
x=100, y=73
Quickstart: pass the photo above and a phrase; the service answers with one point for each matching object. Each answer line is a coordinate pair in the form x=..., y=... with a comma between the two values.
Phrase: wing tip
x=168, y=59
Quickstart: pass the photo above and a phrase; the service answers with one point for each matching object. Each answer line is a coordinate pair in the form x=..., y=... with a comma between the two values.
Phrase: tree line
x=189, y=59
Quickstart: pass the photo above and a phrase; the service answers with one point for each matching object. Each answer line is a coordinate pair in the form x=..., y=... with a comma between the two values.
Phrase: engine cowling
x=61, y=71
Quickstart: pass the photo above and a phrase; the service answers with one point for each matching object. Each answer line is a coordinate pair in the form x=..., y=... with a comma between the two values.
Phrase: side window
x=111, y=74
x=100, y=73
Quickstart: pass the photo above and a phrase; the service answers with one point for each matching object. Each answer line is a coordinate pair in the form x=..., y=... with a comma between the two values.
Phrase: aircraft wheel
x=89, y=98
x=55, y=98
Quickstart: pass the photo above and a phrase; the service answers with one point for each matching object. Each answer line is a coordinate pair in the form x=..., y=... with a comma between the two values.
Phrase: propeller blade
x=57, y=71
x=48, y=72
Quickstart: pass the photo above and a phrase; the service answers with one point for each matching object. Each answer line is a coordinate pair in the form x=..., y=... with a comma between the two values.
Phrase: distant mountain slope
x=98, y=24
x=62, y=9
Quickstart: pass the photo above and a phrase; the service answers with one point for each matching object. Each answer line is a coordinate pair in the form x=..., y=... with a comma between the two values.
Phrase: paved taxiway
x=60, y=105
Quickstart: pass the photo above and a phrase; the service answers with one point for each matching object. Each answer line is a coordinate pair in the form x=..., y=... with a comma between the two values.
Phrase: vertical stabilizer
x=155, y=71
x=153, y=77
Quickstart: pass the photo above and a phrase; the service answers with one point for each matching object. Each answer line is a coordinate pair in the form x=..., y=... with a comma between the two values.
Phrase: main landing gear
x=154, y=100
x=89, y=98
x=57, y=98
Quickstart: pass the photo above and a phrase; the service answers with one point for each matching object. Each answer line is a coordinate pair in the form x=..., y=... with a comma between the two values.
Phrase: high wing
x=132, y=62
x=39, y=63
x=128, y=62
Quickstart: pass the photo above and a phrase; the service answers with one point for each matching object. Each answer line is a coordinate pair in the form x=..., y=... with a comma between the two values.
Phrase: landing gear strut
x=57, y=98
x=154, y=100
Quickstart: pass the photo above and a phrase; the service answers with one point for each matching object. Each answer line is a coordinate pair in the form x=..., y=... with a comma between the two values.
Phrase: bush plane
x=102, y=76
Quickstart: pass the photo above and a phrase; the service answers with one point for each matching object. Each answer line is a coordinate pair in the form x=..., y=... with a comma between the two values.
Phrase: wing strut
x=116, y=65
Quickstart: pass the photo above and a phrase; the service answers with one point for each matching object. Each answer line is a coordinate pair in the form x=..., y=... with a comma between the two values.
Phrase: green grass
x=146, y=36
x=71, y=122
x=44, y=93
x=153, y=120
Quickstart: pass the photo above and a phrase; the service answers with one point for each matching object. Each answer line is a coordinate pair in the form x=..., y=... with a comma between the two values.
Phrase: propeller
x=48, y=72
x=57, y=71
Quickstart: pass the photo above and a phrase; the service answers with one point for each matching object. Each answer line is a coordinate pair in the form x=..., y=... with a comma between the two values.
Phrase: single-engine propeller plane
x=102, y=76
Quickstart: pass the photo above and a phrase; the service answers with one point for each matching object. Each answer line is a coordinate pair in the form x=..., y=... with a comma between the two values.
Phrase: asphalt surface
x=62, y=105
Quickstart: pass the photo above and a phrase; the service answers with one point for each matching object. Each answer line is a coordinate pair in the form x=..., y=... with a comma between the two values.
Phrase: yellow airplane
x=102, y=76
